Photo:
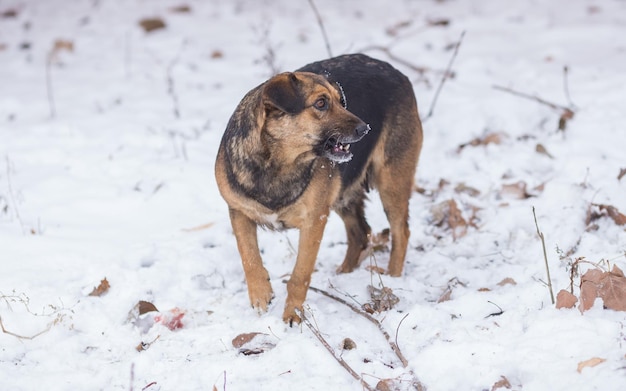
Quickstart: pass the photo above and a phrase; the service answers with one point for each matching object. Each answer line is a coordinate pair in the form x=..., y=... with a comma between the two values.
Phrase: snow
x=117, y=185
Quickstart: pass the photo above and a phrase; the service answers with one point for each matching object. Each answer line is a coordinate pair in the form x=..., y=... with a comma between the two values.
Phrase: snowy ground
x=119, y=184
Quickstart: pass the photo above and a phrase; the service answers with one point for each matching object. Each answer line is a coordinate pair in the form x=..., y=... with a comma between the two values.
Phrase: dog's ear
x=283, y=92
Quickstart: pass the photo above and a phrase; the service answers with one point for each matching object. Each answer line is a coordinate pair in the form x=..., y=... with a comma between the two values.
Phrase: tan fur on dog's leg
x=395, y=198
x=298, y=284
x=257, y=277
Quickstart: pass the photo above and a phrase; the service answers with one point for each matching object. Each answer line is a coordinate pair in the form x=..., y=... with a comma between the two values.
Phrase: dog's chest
x=271, y=221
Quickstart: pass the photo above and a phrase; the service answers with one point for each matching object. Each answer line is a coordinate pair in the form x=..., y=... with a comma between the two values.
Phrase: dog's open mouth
x=337, y=150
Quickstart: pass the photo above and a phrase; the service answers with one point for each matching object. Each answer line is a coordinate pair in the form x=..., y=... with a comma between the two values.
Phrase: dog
x=307, y=142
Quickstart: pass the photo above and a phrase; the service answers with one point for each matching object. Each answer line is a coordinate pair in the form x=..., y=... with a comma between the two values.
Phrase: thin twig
x=420, y=70
x=444, y=78
x=393, y=345
x=566, y=86
x=398, y=328
x=532, y=97
x=320, y=22
x=171, y=91
x=22, y=336
x=12, y=196
x=545, y=256
x=340, y=360
x=49, y=91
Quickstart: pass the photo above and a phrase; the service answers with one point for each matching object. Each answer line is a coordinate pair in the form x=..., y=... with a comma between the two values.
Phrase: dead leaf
x=489, y=138
x=101, y=289
x=592, y=362
x=565, y=299
x=515, y=190
x=566, y=115
x=215, y=54
x=607, y=210
x=502, y=383
x=152, y=24
x=348, y=344
x=143, y=307
x=9, y=14
x=609, y=286
x=60, y=45
x=507, y=281
x=181, y=9
x=447, y=293
x=380, y=241
x=375, y=269
x=540, y=149
x=463, y=188
x=252, y=343
x=438, y=22
x=448, y=216
x=244, y=338
x=622, y=172
x=381, y=299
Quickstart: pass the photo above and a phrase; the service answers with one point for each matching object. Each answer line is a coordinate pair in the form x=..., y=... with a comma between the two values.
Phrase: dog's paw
x=290, y=317
x=260, y=296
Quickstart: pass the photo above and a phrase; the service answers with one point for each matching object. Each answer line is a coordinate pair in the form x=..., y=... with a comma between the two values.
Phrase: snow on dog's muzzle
x=337, y=148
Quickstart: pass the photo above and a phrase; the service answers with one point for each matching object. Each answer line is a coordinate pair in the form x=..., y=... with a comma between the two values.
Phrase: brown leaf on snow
x=447, y=293
x=507, y=281
x=605, y=210
x=348, y=344
x=489, y=138
x=622, y=172
x=502, y=383
x=381, y=300
x=143, y=307
x=609, y=286
x=463, y=188
x=592, y=362
x=181, y=9
x=566, y=115
x=515, y=190
x=252, y=343
x=565, y=299
x=540, y=149
x=244, y=338
x=101, y=289
x=399, y=385
x=151, y=24
x=448, y=215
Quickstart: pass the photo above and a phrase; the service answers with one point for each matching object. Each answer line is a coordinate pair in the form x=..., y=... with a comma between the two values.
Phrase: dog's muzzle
x=337, y=148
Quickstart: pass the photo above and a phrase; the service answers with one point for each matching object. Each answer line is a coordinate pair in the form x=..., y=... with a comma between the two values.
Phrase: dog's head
x=304, y=112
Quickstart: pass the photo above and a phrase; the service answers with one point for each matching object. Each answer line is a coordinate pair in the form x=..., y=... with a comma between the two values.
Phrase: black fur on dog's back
x=371, y=89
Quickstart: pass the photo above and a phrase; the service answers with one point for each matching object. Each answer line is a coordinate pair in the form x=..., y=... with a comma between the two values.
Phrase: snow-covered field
x=107, y=145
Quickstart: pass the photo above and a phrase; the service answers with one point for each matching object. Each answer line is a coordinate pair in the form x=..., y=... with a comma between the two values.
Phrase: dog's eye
x=321, y=104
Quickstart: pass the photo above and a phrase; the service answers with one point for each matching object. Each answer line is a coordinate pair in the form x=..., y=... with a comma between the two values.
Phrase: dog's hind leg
x=257, y=277
x=395, y=191
x=357, y=231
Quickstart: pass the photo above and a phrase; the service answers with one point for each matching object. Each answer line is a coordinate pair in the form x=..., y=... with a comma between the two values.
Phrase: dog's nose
x=362, y=129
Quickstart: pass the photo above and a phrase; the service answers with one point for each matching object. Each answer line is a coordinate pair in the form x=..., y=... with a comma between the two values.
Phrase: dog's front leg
x=297, y=286
x=257, y=277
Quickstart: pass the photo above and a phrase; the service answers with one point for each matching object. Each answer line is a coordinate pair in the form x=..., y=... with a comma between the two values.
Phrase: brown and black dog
x=315, y=140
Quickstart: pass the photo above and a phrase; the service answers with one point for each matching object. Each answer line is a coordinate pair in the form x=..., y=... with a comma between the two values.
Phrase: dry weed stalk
x=393, y=345
x=545, y=256
x=566, y=113
x=444, y=78
x=340, y=360
x=320, y=23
